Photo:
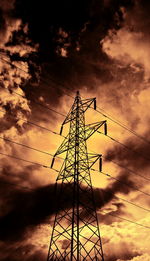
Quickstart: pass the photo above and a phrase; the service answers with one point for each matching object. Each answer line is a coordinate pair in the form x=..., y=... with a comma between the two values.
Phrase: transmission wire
x=105, y=115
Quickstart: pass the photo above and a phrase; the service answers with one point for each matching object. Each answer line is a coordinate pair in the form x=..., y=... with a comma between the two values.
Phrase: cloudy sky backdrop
x=47, y=52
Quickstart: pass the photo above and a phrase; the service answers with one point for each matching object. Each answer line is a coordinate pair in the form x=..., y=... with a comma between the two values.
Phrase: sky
x=48, y=51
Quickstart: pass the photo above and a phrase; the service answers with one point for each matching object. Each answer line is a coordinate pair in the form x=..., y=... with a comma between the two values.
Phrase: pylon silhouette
x=76, y=233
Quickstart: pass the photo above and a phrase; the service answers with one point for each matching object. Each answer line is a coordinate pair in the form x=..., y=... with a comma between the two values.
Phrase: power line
x=24, y=145
x=43, y=80
x=62, y=158
x=122, y=125
x=44, y=106
x=65, y=137
x=35, y=124
x=44, y=128
x=47, y=153
x=28, y=161
x=41, y=151
x=125, y=219
x=130, y=221
x=138, y=206
x=63, y=115
x=105, y=115
x=135, y=173
x=13, y=65
x=129, y=170
x=110, y=214
x=13, y=184
x=98, y=131
x=133, y=187
x=28, y=147
x=108, y=192
x=148, y=159
x=16, y=185
x=60, y=84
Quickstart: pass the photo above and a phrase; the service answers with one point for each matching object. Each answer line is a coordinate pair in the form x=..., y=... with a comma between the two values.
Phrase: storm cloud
x=50, y=50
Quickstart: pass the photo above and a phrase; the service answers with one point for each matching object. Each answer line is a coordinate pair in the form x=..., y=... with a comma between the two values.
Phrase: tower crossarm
x=64, y=146
x=68, y=170
x=90, y=129
x=85, y=104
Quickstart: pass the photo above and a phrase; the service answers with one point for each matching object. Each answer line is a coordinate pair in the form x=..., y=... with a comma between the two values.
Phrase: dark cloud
x=136, y=157
x=110, y=215
x=15, y=252
x=75, y=27
x=138, y=17
x=136, y=160
x=82, y=24
x=80, y=27
x=40, y=204
x=31, y=208
x=70, y=16
x=125, y=254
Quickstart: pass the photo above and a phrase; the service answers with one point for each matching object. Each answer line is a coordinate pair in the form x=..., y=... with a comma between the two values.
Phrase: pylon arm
x=83, y=106
x=95, y=157
x=87, y=103
x=68, y=171
x=90, y=129
x=64, y=146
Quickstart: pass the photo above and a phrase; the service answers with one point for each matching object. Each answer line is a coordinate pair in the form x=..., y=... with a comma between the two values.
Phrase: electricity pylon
x=76, y=233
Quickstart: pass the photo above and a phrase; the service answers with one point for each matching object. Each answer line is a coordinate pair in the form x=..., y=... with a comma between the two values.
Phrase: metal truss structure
x=76, y=233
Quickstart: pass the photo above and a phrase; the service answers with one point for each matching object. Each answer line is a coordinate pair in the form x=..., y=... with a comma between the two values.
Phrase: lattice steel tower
x=76, y=233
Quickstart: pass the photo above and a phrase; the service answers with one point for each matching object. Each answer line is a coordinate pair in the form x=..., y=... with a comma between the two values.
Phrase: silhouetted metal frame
x=78, y=162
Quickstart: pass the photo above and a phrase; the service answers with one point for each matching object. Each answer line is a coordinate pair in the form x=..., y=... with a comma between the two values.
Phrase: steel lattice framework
x=76, y=233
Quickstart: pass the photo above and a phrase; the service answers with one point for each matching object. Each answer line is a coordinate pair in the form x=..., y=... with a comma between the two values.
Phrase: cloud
x=63, y=34
x=120, y=240
x=136, y=52
x=135, y=159
x=144, y=257
x=13, y=106
x=28, y=252
x=130, y=43
x=38, y=205
x=16, y=50
x=116, y=73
